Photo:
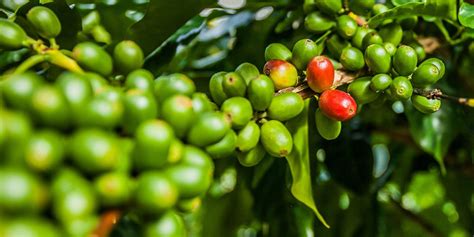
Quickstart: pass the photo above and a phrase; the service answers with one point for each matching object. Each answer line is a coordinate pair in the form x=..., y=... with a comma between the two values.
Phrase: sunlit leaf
x=298, y=160
x=466, y=14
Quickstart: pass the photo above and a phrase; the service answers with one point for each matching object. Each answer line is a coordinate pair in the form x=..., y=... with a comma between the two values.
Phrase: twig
x=107, y=222
x=438, y=94
x=417, y=219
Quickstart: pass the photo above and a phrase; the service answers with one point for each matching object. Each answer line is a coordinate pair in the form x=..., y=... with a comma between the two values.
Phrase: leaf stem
x=29, y=63
x=429, y=228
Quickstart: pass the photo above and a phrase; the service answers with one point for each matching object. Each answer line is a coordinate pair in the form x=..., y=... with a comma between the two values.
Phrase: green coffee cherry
x=359, y=36
x=328, y=128
x=285, y=106
x=140, y=79
x=173, y=84
x=178, y=111
x=139, y=106
x=17, y=130
x=209, y=128
x=379, y=8
x=155, y=193
x=405, y=60
x=44, y=21
x=380, y=82
x=377, y=59
x=77, y=90
x=390, y=48
x=128, y=56
x=303, y=51
x=189, y=205
x=234, y=85
x=92, y=57
x=29, y=226
x=238, y=110
x=105, y=110
x=260, y=92
x=425, y=105
x=113, y=189
x=361, y=7
x=277, y=51
x=202, y=104
x=425, y=75
x=276, y=139
x=197, y=158
x=13, y=36
x=94, y=151
x=346, y=26
x=90, y=20
x=193, y=175
x=401, y=88
x=252, y=157
x=361, y=92
x=21, y=192
x=392, y=33
x=65, y=204
x=50, y=107
x=335, y=44
x=352, y=59
x=153, y=140
x=371, y=38
x=438, y=63
x=45, y=151
x=216, y=88
x=223, y=148
x=420, y=51
x=317, y=22
x=18, y=89
x=97, y=82
x=247, y=71
x=169, y=224
x=248, y=137
x=329, y=6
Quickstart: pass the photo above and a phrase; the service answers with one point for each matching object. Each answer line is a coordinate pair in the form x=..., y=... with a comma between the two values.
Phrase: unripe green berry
x=44, y=21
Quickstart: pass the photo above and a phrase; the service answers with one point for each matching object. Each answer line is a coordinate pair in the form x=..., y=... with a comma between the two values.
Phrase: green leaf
x=162, y=19
x=298, y=161
x=401, y=2
x=434, y=132
x=466, y=14
x=11, y=57
x=430, y=8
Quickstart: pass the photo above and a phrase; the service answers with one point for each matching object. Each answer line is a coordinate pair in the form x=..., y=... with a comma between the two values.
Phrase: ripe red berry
x=320, y=73
x=337, y=105
x=282, y=73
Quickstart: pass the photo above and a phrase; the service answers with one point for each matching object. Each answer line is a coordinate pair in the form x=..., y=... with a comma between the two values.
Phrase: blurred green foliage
x=377, y=179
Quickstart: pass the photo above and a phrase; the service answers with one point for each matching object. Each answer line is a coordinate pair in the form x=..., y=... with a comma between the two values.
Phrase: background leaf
x=434, y=132
x=430, y=8
x=298, y=160
x=466, y=14
x=162, y=19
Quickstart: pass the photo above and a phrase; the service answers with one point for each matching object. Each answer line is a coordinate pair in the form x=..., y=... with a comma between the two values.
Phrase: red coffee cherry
x=282, y=73
x=320, y=73
x=337, y=105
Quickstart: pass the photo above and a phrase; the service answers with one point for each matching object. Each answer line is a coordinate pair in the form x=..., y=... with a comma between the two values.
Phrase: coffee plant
x=236, y=118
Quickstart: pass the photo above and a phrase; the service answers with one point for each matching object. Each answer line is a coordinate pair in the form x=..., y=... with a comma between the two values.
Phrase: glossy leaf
x=434, y=132
x=298, y=160
x=430, y=8
x=466, y=14
x=162, y=19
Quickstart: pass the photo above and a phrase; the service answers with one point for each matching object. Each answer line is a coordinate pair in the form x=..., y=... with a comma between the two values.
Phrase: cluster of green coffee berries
x=390, y=55
x=104, y=135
